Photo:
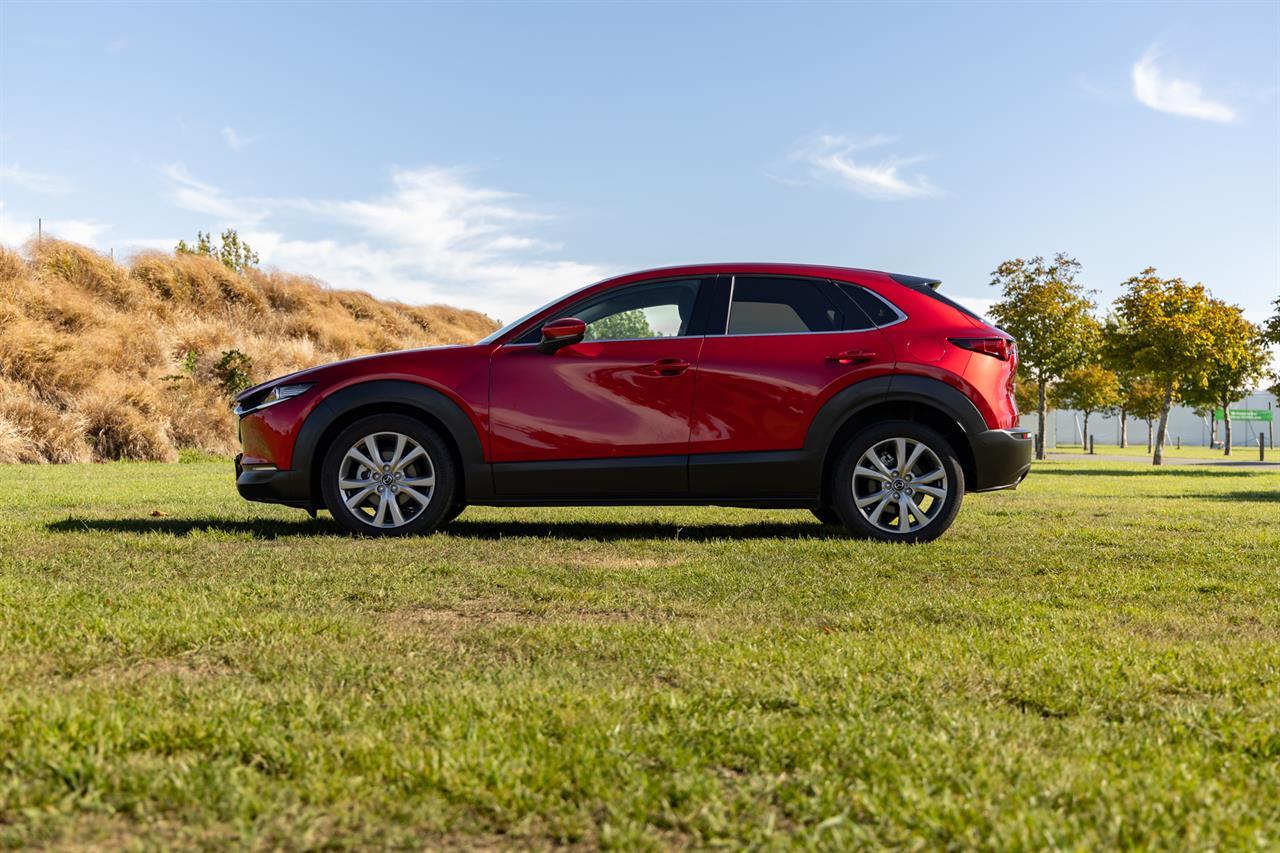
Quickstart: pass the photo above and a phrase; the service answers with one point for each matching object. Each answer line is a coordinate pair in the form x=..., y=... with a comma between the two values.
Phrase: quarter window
x=773, y=306
x=880, y=312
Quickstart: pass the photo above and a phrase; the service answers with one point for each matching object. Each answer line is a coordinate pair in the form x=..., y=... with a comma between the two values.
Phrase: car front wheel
x=898, y=481
x=388, y=475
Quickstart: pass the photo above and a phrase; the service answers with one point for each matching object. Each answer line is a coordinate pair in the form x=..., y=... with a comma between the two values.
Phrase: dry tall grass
x=106, y=361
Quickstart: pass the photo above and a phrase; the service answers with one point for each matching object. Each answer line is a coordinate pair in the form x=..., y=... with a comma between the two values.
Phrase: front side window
x=773, y=306
x=659, y=310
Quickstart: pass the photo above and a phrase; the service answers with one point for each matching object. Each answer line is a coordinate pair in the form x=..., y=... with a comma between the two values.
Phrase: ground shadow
x=463, y=528
x=1210, y=470
x=1258, y=496
x=257, y=528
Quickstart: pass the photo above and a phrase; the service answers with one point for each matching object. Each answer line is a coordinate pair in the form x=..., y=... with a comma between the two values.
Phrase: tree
x=1238, y=359
x=233, y=252
x=1049, y=314
x=1115, y=359
x=1091, y=388
x=624, y=325
x=1167, y=337
x=1272, y=332
x=1142, y=399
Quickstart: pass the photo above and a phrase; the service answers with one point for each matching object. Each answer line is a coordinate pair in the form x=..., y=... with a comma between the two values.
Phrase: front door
x=608, y=416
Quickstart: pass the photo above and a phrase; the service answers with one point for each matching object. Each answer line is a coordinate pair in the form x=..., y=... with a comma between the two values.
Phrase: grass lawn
x=1091, y=660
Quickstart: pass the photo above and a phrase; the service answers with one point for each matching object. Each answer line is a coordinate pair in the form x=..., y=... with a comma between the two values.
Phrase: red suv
x=866, y=397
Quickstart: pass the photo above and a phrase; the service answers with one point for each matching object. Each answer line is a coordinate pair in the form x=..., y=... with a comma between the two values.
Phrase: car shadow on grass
x=462, y=528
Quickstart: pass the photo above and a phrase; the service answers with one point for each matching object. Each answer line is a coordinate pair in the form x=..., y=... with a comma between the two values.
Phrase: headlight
x=278, y=394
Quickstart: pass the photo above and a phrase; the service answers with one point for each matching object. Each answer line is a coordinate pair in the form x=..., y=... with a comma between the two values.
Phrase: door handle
x=856, y=356
x=669, y=366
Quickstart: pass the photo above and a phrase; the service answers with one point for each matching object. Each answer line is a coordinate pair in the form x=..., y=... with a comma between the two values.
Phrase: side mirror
x=562, y=333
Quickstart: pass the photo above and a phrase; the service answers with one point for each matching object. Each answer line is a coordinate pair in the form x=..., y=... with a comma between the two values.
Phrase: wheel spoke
x=424, y=482
x=930, y=490
x=913, y=459
x=875, y=460
x=864, y=471
x=904, y=515
x=917, y=511
x=382, y=510
x=929, y=478
x=863, y=503
x=900, y=457
x=355, y=454
x=376, y=455
x=401, y=441
x=392, y=504
x=874, y=518
x=359, y=498
x=416, y=495
x=409, y=457
x=354, y=484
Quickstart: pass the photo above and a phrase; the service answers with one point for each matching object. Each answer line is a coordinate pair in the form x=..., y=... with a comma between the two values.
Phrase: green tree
x=1168, y=336
x=1091, y=388
x=1142, y=399
x=232, y=252
x=624, y=325
x=1237, y=361
x=1272, y=332
x=1050, y=314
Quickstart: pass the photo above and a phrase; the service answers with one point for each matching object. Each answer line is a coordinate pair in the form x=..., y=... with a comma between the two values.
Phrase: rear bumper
x=269, y=485
x=1001, y=458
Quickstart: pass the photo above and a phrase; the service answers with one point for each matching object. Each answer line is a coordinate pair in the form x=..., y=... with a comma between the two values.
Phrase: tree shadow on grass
x=1209, y=470
x=462, y=528
x=1251, y=496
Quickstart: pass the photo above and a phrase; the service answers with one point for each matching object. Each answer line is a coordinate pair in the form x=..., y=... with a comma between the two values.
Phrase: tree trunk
x=1213, y=429
x=1158, y=458
x=1124, y=428
x=1084, y=439
x=1226, y=430
x=1042, y=410
x=1149, y=435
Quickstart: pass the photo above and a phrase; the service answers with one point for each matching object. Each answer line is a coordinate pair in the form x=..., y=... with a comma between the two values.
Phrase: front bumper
x=1001, y=458
x=270, y=485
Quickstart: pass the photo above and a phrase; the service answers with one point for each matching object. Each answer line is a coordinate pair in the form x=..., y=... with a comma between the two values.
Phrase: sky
x=493, y=156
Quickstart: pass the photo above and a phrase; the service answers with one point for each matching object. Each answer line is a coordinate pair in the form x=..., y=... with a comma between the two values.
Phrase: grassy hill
x=101, y=361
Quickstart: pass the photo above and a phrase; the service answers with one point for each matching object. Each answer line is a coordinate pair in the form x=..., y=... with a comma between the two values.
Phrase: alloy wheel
x=386, y=479
x=899, y=485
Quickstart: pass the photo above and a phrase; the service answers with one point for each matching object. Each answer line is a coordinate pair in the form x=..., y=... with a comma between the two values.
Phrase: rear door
x=786, y=346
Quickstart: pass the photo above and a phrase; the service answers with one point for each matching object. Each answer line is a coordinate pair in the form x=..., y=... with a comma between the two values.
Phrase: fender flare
x=851, y=401
x=477, y=478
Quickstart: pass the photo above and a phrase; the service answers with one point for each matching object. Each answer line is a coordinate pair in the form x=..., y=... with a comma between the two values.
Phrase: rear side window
x=776, y=306
x=880, y=312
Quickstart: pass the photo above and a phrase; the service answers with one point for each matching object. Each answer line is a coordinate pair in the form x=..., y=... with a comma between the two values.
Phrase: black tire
x=938, y=512
x=418, y=519
x=454, y=512
x=826, y=515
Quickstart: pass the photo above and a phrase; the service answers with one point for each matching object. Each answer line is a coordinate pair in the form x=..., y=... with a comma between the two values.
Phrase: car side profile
x=867, y=397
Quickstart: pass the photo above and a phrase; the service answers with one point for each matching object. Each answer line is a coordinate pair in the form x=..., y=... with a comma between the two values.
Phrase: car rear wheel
x=898, y=481
x=388, y=475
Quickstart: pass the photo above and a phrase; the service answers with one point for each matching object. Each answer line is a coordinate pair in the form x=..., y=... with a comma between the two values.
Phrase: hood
x=317, y=373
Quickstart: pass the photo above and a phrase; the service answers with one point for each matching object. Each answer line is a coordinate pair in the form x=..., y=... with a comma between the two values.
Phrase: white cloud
x=1172, y=95
x=38, y=182
x=235, y=141
x=190, y=194
x=838, y=160
x=16, y=230
x=433, y=237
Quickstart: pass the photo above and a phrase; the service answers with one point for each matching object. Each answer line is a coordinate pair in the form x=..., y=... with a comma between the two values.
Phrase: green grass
x=1247, y=452
x=1091, y=660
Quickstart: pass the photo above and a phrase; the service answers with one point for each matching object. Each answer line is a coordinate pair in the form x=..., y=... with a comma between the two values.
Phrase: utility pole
x=39, y=231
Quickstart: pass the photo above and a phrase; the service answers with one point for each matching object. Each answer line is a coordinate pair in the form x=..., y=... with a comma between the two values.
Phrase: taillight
x=1001, y=348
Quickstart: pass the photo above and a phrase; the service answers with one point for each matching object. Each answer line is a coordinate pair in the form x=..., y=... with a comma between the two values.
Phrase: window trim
x=697, y=320
x=900, y=315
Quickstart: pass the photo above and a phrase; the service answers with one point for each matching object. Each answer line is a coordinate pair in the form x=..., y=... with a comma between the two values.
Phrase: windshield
x=493, y=336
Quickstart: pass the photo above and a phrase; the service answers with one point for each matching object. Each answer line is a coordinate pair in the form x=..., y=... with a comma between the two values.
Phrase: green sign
x=1245, y=414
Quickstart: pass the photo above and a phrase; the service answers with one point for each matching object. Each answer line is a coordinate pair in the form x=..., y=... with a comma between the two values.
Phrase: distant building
x=1064, y=426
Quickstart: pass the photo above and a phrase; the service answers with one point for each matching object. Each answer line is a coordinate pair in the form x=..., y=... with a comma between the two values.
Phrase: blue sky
x=492, y=156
